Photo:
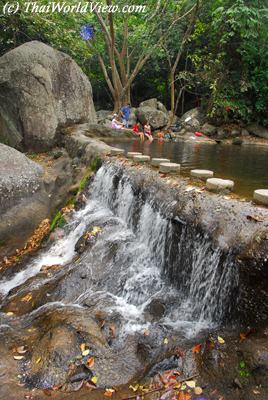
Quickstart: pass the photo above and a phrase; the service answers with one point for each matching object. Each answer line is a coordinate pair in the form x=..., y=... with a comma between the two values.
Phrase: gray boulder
x=152, y=103
x=104, y=116
x=156, y=118
x=209, y=129
x=41, y=91
x=29, y=193
x=257, y=130
x=192, y=118
x=161, y=107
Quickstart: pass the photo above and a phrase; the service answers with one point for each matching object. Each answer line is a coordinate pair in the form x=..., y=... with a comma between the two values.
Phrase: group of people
x=121, y=121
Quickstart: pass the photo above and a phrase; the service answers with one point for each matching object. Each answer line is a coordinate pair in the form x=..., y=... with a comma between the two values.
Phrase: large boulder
x=192, y=118
x=156, y=118
x=41, y=91
x=258, y=130
x=29, y=193
x=149, y=103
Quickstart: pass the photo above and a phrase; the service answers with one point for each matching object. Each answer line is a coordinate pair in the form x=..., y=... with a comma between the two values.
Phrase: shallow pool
x=247, y=165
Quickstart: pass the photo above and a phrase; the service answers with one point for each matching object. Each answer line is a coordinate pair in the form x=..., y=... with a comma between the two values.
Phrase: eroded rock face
x=41, y=91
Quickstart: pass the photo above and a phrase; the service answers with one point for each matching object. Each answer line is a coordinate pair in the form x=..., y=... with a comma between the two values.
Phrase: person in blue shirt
x=125, y=112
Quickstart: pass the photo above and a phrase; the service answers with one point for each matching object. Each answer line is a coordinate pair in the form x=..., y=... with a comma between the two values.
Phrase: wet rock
x=237, y=141
x=255, y=354
x=208, y=129
x=141, y=159
x=157, y=161
x=80, y=201
x=36, y=80
x=156, y=309
x=131, y=154
x=86, y=241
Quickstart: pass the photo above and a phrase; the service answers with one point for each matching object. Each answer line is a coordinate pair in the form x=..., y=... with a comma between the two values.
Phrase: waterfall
x=205, y=278
x=141, y=255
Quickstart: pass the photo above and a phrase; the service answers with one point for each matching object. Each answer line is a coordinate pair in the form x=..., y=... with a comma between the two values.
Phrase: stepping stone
x=157, y=161
x=261, y=196
x=217, y=184
x=169, y=167
x=114, y=151
x=131, y=154
x=141, y=159
x=202, y=173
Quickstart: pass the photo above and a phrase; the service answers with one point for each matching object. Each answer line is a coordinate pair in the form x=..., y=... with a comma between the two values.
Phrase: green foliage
x=225, y=62
x=58, y=221
x=232, y=68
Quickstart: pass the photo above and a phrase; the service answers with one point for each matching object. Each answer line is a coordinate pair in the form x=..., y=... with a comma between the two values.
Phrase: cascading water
x=139, y=256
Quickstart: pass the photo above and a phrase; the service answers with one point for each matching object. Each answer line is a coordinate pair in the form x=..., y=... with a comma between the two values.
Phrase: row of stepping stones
x=213, y=184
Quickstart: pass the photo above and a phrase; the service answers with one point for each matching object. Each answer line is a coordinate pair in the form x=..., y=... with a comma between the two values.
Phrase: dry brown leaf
x=27, y=298
x=90, y=362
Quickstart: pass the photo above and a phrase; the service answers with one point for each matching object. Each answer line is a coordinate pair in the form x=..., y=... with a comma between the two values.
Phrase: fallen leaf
x=90, y=362
x=18, y=357
x=134, y=388
x=109, y=392
x=184, y=396
x=38, y=360
x=198, y=390
x=85, y=352
x=94, y=379
x=47, y=392
x=146, y=332
x=82, y=347
x=196, y=349
x=255, y=391
x=166, y=341
x=27, y=298
x=221, y=340
x=190, y=384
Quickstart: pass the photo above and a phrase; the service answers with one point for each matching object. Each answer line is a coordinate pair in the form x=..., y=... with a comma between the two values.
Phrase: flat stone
x=157, y=161
x=261, y=196
x=202, y=173
x=115, y=151
x=141, y=158
x=131, y=154
x=169, y=167
x=217, y=184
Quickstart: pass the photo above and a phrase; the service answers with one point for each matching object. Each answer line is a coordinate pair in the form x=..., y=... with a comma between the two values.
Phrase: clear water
x=247, y=165
x=196, y=284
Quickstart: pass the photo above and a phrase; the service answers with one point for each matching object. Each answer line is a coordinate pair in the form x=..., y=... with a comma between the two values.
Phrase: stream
x=143, y=272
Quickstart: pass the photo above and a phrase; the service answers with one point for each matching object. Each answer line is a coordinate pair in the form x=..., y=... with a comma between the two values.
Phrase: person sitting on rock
x=137, y=132
x=116, y=123
x=148, y=131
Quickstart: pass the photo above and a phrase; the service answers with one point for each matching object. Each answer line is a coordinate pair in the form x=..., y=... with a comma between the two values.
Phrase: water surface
x=247, y=165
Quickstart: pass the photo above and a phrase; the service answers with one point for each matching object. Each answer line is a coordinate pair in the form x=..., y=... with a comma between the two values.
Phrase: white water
x=141, y=269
